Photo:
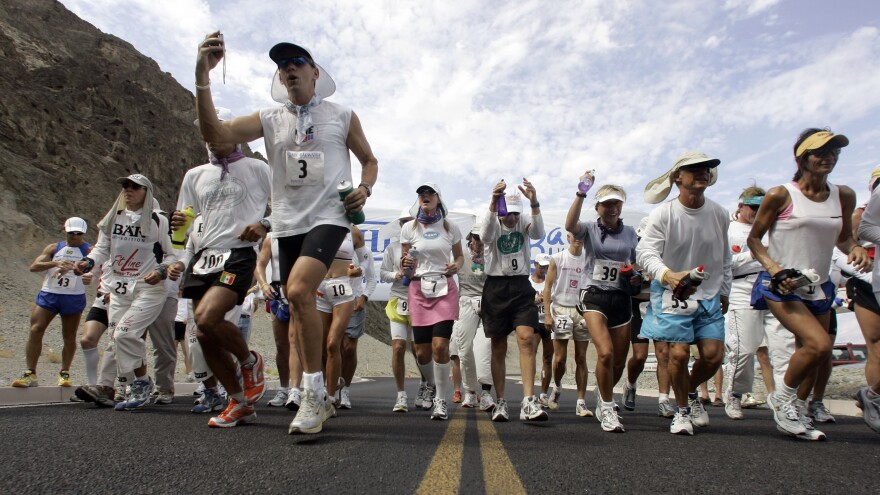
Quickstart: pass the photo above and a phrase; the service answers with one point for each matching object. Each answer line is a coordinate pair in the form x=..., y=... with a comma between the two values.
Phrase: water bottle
x=501, y=205
x=356, y=217
x=586, y=181
x=408, y=272
x=178, y=237
x=692, y=279
x=626, y=272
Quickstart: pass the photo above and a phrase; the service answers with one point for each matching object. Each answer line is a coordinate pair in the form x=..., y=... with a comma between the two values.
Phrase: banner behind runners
x=381, y=225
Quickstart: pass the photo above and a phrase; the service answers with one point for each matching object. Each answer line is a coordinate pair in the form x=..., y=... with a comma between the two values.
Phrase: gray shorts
x=357, y=324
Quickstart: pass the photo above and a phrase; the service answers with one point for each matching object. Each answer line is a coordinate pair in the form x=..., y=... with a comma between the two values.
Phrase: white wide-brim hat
x=324, y=86
x=658, y=189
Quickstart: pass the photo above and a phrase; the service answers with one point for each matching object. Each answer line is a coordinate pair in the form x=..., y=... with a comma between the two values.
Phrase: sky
x=466, y=93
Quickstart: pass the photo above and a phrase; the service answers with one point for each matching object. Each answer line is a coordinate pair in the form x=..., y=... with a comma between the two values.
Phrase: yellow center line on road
x=499, y=475
x=444, y=472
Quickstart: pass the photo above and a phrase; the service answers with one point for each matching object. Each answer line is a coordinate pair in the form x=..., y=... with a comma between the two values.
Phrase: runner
x=747, y=327
x=397, y=311
x=682, y=235
x=230, y=192
x=543, y=336
x=469, y=342
x=63, y=293
x=606, y=303
x=508, y=303
x=433, y=293
x=94, y=328
x=566, y=276
x=809, y=211
x=136, y=239
x=364, y=278
x=308, y=141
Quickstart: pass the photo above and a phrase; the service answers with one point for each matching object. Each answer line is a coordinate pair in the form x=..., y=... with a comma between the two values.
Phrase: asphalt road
x=75, y=448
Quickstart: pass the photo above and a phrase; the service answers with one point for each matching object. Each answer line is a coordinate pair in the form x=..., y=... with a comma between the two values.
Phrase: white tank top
x=70, y=283
x=806, y=239
x=304, y=177
x=571, y=277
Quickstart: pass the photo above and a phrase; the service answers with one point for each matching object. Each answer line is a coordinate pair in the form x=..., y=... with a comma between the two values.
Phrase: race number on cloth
x=402, y=306
x=563, y=324
x=607, y=272
x=811, y=293
x=434, y=286
x=338, y=291
x=672, y=306
x=512, y=264
x=305, y=168
x=211, y=261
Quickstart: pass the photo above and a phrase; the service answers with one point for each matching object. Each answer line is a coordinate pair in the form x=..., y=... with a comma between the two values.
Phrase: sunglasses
x=824, y=152
x=132, y=186
x=754, y=207
x=297, y=61
x=75, y=233
x=427, y=192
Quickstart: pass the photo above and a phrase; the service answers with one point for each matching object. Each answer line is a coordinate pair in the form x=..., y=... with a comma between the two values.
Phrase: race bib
x=338, y=291
x=811, y=293
x=402, y=307
x=512, y=264
x=434, y=286
x=305, y=168
x=478, y=304
x=607, y=272
x=66, y=281
x=211, y=261
x=122, y=286
x=563, y=324
x=672, y=306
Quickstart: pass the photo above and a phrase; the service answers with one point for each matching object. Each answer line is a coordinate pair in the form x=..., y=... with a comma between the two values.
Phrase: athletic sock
x=630, y=385
x=784, y=392
x=91, y=357
x=663, y=397
x=607, y=405
x=313, y=381
x=441, y=371
x=427, y=370
x=251, y=359
x=402, y=393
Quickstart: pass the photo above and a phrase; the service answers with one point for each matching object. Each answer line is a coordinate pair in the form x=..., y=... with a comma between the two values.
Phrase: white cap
x=76, y=224
x=543, y=259
x=514, y=205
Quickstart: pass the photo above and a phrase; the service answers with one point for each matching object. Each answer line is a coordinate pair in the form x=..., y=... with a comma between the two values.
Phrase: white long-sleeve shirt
x=133, y=254
x=509, y=248
x=390, y=267
x=365, y=284
x=678, y=238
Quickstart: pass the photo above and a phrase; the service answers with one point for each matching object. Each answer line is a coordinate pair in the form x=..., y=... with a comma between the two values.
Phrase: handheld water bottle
x=692, y=279
x=408, y=272
x=586, y=181
x=178, y=237
x=502, y=205
x=356, y=217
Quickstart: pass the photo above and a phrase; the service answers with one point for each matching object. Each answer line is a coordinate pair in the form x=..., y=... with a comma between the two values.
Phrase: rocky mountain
x=79, y=108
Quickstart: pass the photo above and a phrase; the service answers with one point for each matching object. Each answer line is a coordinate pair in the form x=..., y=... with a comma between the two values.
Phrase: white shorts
x=333, y=292
x=571, y=320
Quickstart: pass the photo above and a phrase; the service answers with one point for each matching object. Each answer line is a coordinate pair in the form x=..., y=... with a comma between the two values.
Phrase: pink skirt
x=424, y=311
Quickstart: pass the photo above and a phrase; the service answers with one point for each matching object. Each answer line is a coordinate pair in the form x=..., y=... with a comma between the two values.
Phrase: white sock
x=784, y=392
x=251, y=359
x=313, y=381
x=630, y=385
x=441, y=371
x=90, y=356
x=663, y=397
x=402, y=393
x=427, y=370
x=607, y=405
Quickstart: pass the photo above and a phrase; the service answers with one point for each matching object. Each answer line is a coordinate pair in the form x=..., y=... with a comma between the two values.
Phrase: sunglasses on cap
x=132, y=186
x=823, y=152
x=297, y=61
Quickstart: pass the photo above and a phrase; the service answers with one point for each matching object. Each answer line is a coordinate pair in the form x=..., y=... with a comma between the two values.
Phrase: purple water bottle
x=501, y=205
x=586, y=181
x=408, y=272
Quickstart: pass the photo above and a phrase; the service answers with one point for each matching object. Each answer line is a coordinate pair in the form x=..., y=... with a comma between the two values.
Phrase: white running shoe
x=439, y=412
x=500, y=411
x=553, y=399
x=280, y=398
x=681, y=424
x=486, y=401
x=665, y=409
x=294, y=398
x=610, y=420
x=819, y=412
x=401, y=404
x=420, y=397
x=811, y=433
x=582, y=410
x=311, y=414
x=699, y=416
x=749, y=401
x=870, y=408
x=345, y=398
x=733, y=406
x=428, y=401
x=785, y=414
x=470, y=400
x=531, y=411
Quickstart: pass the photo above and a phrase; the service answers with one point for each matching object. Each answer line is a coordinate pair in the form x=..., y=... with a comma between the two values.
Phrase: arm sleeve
x=365, y=259
x=649, y=252
x=388, y=272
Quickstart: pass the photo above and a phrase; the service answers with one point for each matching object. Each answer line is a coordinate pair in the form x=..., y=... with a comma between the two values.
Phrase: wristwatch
x=266, y=224
x=367, y=188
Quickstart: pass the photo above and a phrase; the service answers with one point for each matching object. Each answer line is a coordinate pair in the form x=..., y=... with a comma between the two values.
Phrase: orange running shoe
x=234, y=414
x=254, y=380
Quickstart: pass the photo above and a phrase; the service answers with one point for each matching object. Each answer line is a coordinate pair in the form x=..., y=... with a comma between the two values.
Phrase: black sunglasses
x=75, y=233
x=823, y=152
x=754, y=207
x=132, y=186
x=298, y=61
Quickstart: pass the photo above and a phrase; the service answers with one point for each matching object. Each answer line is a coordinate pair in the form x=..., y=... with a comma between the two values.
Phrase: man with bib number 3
x=681, y=235
x=308, y=140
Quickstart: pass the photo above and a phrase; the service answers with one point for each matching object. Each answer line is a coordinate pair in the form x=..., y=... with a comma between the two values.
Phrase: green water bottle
x=355, y=217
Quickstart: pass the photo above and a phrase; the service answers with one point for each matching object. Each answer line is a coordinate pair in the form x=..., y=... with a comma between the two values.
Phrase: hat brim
x=140, y=182
x=611, y=197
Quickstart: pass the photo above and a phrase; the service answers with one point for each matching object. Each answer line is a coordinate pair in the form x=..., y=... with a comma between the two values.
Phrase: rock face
x=79, y=108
